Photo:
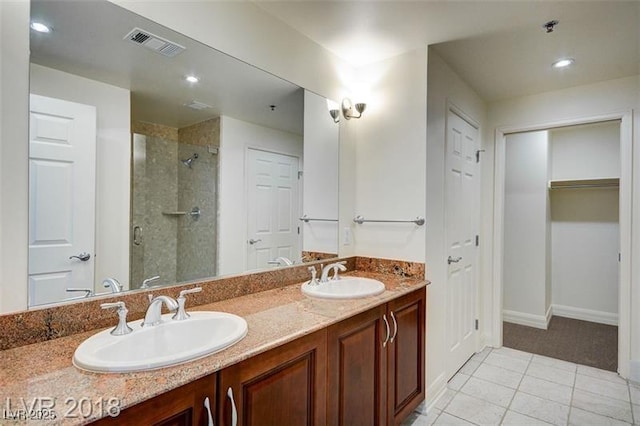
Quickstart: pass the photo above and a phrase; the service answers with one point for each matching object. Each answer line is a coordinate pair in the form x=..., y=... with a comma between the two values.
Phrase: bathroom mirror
x=155, y=160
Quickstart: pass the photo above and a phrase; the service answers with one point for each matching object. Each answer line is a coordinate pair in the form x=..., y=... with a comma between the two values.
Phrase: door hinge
x=477, y=240
x=300, y=173
x=478, y=155
x=619, y=257
x=477, y=324
x=298, y=230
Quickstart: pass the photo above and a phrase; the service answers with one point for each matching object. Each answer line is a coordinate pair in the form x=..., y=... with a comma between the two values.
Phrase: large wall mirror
x=155, y=160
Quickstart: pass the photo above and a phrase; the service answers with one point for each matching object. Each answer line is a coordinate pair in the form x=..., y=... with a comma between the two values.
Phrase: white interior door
x=62, y=157
x=273, y=207
x=461, y=228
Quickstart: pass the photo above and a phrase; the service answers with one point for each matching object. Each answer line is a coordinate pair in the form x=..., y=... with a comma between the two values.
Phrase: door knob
x=82, y=256
x=451, y=260
x=252, y=241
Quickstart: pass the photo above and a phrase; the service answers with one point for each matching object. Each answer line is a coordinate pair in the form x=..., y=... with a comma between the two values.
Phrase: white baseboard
x=585, y=314
x=530, y=320
x=634, y=373
x=435, y=391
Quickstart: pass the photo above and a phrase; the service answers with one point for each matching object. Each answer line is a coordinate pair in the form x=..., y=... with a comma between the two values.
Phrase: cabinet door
x=183, y=406
x=357, y=370
x=406, y=367
x=284, y=386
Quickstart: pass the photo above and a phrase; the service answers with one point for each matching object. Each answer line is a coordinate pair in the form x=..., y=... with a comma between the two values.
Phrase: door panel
x=357, y=370
x=461, y=228
x=284, y=386
x=273, y=207
x=62, y=146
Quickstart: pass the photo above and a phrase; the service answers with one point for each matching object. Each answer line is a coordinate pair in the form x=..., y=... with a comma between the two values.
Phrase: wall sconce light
x=347, y=109
x=335, y=114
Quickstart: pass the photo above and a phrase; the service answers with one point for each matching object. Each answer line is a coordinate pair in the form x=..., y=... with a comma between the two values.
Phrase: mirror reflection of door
x=62, y=157
x=272, y=208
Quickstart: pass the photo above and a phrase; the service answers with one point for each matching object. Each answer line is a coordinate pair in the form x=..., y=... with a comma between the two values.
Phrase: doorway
x=580, y=223
x=273, y=208
x=462, y=184
x=62, y=176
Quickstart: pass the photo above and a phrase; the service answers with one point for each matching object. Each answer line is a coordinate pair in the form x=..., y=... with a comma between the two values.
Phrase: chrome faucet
x=280, y=261
x=154, y=311
x=112, y=284
x=337, y=266
x=145, y=283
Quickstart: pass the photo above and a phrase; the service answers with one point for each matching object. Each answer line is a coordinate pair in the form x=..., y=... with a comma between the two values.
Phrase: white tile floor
x=509, y=387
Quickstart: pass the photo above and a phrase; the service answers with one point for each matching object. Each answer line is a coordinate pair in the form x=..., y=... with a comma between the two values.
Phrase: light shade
x=192, y=78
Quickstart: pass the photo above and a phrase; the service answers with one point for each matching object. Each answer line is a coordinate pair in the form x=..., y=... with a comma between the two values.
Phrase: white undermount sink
x=344, y=288
x=169, y=343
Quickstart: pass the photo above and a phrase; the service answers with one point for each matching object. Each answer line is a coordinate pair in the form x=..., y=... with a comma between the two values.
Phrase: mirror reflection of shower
x=189, y=161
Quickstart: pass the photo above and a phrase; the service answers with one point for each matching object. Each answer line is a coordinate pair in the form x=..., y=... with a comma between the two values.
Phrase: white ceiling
x=87, y=40
x=498, y=47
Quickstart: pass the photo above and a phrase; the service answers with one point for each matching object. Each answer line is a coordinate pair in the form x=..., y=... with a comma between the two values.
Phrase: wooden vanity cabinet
x=183, y=406
x=284, y=386
x=406, y=356
x=365, y=370
x=376, y=371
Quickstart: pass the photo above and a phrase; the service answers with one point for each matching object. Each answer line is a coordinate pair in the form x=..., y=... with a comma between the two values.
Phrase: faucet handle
x=314, y=273
x=338, y=266
x=87, y=291
x=145, y=283
x=190, y=290
x=182, y=314
x=122, y=328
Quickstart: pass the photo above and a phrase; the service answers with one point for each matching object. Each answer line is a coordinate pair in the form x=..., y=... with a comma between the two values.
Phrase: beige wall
x=391, y=157
x=14, y=108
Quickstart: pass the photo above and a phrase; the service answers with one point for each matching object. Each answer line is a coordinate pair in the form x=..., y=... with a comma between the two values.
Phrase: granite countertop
x=43, y=372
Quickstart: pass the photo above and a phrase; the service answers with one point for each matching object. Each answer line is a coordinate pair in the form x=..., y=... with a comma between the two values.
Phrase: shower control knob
x=82, y=256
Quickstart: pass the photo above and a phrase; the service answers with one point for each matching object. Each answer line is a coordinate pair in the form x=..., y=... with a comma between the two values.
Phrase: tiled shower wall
x=175, y=247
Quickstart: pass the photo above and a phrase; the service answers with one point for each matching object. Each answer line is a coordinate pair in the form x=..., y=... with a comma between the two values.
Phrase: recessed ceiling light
x=192, y=79
x=40, y=27
x=563, y=63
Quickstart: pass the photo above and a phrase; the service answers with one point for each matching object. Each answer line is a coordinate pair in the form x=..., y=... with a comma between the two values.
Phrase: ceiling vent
x=153, y=42
x=197, y=105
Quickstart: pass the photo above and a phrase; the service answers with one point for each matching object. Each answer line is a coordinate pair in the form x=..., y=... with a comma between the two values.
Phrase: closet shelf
x=584, y=183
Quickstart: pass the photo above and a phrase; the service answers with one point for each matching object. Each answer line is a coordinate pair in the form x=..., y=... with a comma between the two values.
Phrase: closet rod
x=584, y=183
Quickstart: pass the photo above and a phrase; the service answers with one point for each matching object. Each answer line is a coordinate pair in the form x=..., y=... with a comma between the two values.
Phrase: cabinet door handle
x=395, y=327
x=386, y=324
x=207, y=405
x=234, y=411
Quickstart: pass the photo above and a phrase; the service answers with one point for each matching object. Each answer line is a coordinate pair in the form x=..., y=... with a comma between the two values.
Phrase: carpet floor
x=582, y=342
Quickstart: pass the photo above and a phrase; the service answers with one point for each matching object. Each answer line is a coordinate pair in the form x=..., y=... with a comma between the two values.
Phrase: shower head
x=189, y=161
